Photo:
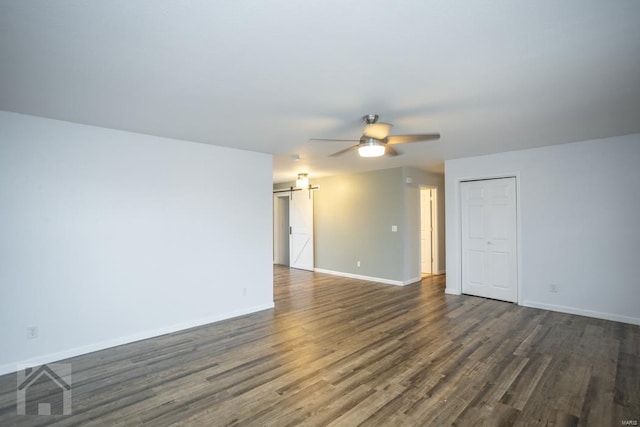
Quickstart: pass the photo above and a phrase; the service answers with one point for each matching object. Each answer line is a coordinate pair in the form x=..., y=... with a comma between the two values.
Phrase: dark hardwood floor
x=345, y=352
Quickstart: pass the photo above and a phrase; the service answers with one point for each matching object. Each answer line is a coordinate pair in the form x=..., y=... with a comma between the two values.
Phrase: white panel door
x=301, y=230
x=489, y=239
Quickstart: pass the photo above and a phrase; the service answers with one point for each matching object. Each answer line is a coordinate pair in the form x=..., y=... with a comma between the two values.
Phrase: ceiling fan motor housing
x=370, y=119
x=369, y=140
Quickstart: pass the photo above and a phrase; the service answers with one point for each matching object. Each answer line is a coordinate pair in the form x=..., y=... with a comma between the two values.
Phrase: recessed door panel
x=499, y=222
x=500, y=192
x=475, y=194
x=499, y=265
x=476, y=222
x=476, y=267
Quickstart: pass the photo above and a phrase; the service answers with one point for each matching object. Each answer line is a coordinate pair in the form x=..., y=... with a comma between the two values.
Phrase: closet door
x=489, y=239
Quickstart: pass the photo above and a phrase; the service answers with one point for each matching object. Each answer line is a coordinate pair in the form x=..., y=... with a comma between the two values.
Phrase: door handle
x=290, y=230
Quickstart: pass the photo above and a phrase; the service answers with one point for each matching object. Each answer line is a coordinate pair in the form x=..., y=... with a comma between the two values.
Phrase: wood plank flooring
x=344, y=352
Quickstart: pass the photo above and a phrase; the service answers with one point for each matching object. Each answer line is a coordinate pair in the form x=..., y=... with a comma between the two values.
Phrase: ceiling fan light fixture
x=376, y=141
x=371, y=148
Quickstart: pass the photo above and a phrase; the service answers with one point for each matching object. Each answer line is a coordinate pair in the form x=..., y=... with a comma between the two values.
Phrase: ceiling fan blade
x=346, y=150
x=377, y=130
x=390, y=151
x=339, y=140
x=403, y=139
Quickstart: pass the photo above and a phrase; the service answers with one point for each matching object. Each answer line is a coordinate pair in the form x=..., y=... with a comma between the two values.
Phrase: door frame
x=487, y=287
x=435, y=269
x=278, y=232
x=456, y=286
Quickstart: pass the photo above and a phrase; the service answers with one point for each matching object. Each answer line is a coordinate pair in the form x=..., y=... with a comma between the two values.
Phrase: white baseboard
x=452, y=291
x=414, y=280
x=582, y=312
x=77, y=351
x=368, y=278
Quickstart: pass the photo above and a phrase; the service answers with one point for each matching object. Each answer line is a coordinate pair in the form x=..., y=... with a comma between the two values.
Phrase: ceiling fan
x=376, y=141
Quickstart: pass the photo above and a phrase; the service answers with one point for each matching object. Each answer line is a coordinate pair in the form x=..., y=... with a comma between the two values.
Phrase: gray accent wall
x=353, y=216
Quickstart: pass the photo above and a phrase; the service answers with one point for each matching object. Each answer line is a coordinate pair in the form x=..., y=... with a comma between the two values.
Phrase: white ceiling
x=267, y=75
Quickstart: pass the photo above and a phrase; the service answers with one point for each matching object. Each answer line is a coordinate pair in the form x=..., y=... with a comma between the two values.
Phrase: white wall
x=579, y=224
x=107, y=237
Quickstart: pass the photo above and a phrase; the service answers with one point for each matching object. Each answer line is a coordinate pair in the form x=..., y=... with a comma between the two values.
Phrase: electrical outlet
x=553, y=288
x=32, y=332
x=357, y=263
x=244, y=292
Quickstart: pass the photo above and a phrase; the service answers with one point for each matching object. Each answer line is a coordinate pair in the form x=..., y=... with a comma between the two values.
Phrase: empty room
x=321, y=213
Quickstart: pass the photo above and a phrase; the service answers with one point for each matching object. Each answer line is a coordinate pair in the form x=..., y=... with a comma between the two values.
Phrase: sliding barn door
x=301, y=230
x=489, y=239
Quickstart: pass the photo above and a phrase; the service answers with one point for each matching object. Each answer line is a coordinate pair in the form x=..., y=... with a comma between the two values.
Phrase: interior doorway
x=429, y=230
x=293, y=229
x=281, y=229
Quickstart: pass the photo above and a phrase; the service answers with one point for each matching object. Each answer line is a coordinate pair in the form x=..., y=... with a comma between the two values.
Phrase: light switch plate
x=394, y=228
